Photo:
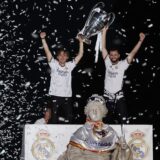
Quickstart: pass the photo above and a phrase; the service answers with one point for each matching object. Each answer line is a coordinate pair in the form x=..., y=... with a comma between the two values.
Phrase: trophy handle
x=110, y=18
x=85, y=40
x=98, y=5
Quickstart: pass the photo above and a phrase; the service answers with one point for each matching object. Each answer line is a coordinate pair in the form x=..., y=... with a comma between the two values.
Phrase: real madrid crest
x=138, y=145
x=43, y=148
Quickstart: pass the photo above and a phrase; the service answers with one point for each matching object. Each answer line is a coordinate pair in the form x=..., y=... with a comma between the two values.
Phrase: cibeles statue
x=96, y=140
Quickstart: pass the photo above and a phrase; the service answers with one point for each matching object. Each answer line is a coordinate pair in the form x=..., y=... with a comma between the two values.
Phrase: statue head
x=96, y=109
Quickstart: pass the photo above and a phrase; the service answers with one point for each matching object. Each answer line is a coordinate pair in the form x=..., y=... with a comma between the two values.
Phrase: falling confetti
x=25, y=74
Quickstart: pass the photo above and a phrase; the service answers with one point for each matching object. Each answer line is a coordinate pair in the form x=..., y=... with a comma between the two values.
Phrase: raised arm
x=132, y=54
x=81, y=50
x=104, y=50
x=45, y=46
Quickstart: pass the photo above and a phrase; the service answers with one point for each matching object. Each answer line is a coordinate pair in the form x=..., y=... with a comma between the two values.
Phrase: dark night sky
x=24, y=72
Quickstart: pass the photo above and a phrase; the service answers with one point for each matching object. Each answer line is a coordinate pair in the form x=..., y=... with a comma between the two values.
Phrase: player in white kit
x=113, y=83
x=60, y=88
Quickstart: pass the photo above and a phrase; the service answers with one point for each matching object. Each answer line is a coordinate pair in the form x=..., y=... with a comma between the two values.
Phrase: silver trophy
x=96, y=21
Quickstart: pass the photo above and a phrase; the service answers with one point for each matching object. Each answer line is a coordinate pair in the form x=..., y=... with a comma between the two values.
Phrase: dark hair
x=59, y=50
x=115, y=48
x=46, y=107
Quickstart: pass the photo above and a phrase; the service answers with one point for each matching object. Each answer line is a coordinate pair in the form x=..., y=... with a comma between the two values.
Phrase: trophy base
x=85, y=40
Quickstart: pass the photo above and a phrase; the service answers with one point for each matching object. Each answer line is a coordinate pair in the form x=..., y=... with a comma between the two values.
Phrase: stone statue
x=96, y=140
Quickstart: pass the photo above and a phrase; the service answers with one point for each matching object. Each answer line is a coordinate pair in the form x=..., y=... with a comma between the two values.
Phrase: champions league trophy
x=96, y=21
